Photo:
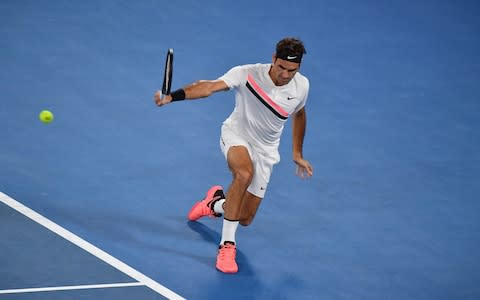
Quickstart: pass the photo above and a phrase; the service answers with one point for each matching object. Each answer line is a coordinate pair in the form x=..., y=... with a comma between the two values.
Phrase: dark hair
x=291, y=49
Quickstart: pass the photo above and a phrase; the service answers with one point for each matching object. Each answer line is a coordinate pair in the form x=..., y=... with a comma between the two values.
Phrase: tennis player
x=266, y=96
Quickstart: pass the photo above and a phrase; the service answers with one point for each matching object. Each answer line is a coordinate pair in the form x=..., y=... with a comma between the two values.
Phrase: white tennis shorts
x=263, y=162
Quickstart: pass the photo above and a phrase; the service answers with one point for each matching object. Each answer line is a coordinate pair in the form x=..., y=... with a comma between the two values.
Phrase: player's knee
x=244, y=177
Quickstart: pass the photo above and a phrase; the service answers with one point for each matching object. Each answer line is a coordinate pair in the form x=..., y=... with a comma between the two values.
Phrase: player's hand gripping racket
x=167, y=76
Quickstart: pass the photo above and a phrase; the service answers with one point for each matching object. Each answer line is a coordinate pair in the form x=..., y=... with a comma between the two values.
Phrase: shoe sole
x=227, y=271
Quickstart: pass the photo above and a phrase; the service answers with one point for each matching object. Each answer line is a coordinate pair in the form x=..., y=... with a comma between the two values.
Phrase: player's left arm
x=304, y=168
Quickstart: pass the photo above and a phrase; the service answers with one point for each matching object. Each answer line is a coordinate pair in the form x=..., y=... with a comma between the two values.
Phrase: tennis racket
x=167, y=75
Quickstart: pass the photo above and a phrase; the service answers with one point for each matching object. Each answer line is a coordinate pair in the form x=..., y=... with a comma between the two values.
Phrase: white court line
x=119, y=265
x=71, y=287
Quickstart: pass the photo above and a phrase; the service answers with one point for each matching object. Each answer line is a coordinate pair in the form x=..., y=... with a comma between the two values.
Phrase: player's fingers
x=309, y=170
x=158, y=98
x=300, y=172
x=304, y=171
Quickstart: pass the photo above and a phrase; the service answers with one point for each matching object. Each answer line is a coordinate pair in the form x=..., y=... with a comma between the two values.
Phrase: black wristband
x=178, y=95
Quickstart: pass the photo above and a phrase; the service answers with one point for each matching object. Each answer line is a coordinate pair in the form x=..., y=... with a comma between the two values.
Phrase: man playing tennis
x=266, y=96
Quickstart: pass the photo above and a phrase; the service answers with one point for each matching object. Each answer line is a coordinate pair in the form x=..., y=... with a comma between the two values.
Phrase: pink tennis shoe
x=205, y=207
x=226, y=258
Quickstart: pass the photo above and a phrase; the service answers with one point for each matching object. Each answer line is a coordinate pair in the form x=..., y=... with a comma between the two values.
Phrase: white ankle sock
x=218, y=207
x=228, y=231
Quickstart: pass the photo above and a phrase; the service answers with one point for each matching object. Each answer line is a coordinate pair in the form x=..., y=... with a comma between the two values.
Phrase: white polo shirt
x=261, y=107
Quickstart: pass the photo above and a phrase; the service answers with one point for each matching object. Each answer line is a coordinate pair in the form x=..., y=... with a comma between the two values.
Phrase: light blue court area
x=42, y=260
x=393, y=134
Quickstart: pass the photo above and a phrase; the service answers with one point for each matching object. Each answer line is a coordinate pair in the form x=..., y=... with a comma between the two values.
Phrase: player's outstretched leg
x=205, y=207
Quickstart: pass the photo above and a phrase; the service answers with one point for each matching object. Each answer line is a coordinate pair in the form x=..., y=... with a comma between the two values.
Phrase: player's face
x=282, y=71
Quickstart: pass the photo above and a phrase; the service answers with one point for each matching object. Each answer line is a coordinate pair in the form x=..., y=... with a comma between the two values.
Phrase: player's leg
x=250, y=180
x=241, y=166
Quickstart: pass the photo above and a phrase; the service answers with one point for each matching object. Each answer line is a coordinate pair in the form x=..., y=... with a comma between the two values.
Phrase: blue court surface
x=94, y=204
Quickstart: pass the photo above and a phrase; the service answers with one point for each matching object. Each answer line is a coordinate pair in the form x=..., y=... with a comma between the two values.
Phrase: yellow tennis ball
x=46, y=116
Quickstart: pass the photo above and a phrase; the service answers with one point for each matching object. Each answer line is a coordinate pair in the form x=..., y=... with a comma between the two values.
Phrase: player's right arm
x=196, y=90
